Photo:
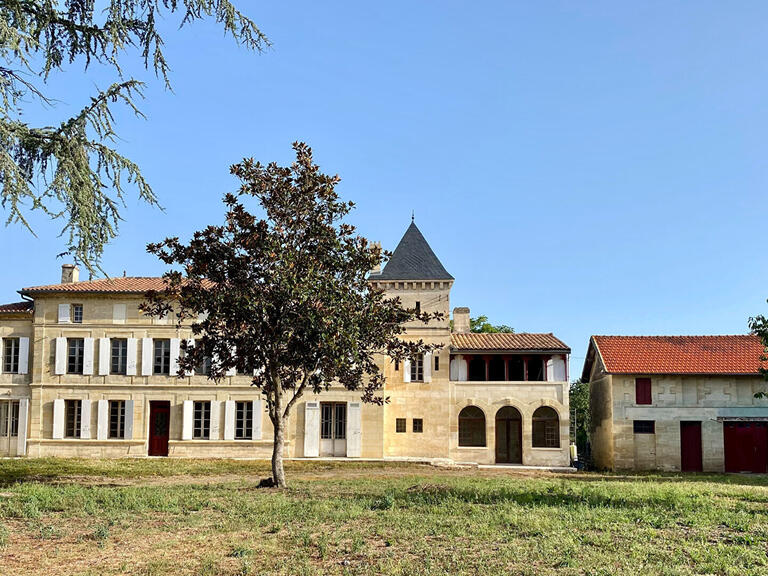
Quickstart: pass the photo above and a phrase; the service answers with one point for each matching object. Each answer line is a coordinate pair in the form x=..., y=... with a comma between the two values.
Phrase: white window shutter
x=64, y=314
x=102, y=420
x=23, y=355
x=215, y=433
x=257, y=417
x=454, y=369
x=175, y=351
x=87, y=356
x=406, y=370
x=60, y=366
x=58, y=418
x=131, y=352
x=187, y=420
x=118, y=313
x=147, y=352
x=190, y=344
x=21, y=440
x=312, y=429
x=232, y=371
x=229, y=420
x=354, y=431
x=427, y=367
x=104, y=354
x=1, y=355
x=129, y=419
x=85, y=419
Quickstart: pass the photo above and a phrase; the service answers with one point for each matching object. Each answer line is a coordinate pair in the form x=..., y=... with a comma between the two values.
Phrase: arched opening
x=477, y=370
x=546, y=428
x=509, y=436
x=471, y=427
x=496, y=369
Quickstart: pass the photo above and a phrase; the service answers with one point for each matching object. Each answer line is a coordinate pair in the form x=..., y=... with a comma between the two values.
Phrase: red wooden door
x=690, y=447
x=159, y=427
x=746, y=446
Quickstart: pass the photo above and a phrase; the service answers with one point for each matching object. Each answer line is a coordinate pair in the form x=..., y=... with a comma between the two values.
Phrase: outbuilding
x=677, y=403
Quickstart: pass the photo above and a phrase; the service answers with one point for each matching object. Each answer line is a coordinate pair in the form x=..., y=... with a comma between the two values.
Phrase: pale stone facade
x=708, y=401
x=100, y=382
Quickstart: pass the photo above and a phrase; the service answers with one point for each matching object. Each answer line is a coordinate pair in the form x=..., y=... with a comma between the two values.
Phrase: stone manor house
x=84, y=373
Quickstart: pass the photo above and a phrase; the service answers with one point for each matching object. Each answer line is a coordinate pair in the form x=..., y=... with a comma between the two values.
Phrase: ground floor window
x=243, y=420
x=546, y=428
x=418, y=425
x=117, y=418
x=400, y=425
x=72, y=418
x=201, y=427
x=471, y=427
x=644, y=426
x=9, y=418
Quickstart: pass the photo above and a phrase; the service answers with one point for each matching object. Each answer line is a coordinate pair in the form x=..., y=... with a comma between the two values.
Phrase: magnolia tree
x=285, y=297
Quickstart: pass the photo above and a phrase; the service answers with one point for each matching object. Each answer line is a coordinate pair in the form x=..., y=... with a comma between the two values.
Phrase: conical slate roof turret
x=413, y=259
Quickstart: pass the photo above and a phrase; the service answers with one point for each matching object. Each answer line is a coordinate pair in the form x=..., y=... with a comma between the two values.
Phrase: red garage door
x=746, y=446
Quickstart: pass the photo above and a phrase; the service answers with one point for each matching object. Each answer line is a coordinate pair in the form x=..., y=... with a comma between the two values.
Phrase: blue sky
x=580, y=168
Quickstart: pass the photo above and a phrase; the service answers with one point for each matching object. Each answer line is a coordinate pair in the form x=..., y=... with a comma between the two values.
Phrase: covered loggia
x=508, y=367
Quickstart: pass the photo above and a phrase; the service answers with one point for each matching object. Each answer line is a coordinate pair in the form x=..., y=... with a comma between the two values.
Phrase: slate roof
x=121, y=285
x=16, y=307
x=514, y=341
x=413, y=259
x=733, y=355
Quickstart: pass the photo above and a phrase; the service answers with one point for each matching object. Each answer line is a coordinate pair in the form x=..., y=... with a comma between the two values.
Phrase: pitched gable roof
x=413, y=259
x=507, y=341
x=16, y=307
x=120, y=285
x=732, y=355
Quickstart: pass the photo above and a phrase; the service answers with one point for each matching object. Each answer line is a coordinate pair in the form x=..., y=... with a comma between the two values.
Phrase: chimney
x=69, y=274
x=376, y=269
x=460, y=320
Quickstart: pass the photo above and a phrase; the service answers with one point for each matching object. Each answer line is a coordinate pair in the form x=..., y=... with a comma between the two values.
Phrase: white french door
x=333, y=429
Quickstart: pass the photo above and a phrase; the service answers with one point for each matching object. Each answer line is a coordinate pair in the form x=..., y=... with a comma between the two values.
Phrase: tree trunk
x=278, y=473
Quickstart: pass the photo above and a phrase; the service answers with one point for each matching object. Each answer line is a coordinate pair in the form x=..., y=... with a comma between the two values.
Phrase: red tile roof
x=503, y=341
x=678, y=354
x=125, y=285
x=16, y=307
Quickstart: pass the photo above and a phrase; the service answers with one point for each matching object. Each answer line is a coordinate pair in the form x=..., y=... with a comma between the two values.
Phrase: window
x=119, y=355
x=418, y=307
x=417, y=369
x=77, y=313
x=202, y=422
x=437, y=362
x=643, y=391
x=10, y=355
x=546, y=428
x=471, y=427
x=243, y=420
x=72, y=418
x=400, y=425
x=9, y=418
x=204, y=367
x=117, y=418
x=418, y=425
x=75, y=350
x=397, y=365
x=162, y=356
x=644, y=427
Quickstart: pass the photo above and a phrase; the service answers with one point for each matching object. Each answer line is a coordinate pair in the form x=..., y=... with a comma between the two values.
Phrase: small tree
x=480, y=324
x=285, y=298
x=759, y=326
x=579, y=401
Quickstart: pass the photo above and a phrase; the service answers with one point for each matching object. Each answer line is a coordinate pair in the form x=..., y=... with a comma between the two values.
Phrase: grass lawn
x=163, y=517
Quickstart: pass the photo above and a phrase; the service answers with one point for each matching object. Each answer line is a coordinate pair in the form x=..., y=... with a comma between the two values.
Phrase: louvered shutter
x=85, y=419
x=104, y=356
x=146, y=357
x=60, y=362
x=229, y=420
x=406, y=371
x=129, y=419
x=354, y=429
x=428, y=367
x=175, y=351
x=64, y=314
x=102, y=420
x=257, y=417
x=311, y=429
x=21, y=440
x=215, y=432
x=58, y=418
x=87, y=356
x=131, y=353
x=187, y=420
x=23, y=355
